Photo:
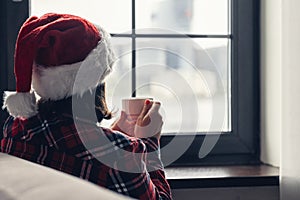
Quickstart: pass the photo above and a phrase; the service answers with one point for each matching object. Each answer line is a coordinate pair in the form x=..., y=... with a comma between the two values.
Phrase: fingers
x=123, y=116
x=155, y=107
x=124, y=125
x=155, y=117
x=147, y=106
x=118, y=123
x=153, y=112
x=151, y=124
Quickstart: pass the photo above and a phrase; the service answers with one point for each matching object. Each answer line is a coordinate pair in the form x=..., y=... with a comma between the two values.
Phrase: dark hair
x=85, y=105
x=101, y=108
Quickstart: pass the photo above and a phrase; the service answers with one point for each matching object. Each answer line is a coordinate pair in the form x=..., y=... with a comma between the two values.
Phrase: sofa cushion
x=21, y=179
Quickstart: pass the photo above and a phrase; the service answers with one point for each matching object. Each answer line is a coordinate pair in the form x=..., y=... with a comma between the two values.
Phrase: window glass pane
x=185, y=16
x=190, y=78
x=113, y=15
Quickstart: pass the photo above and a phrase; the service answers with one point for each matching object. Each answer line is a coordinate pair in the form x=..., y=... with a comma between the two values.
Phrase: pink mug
x=133, y=106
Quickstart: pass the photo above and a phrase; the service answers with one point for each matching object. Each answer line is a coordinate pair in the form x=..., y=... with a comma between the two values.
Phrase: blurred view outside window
x=181, y=56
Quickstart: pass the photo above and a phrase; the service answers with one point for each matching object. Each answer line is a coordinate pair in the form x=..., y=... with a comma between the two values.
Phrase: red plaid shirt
x=56, y=141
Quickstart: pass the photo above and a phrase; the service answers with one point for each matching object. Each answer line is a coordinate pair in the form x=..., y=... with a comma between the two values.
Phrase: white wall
x=271, y=81
x=280, y=64
x=290, y=161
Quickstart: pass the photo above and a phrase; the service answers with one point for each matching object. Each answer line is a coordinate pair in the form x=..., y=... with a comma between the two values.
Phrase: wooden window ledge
x=222, y=176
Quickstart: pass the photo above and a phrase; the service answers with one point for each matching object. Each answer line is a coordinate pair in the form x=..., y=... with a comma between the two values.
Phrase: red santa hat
x=50, y=53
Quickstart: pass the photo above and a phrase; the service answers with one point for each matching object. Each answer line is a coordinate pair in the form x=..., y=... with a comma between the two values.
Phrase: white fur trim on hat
x=59, y=82
x=20, y=104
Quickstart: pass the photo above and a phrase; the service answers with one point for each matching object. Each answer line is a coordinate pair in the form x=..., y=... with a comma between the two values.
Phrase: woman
x=64, y=59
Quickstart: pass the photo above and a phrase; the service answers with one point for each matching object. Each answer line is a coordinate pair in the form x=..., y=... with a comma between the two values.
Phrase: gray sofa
x=23, y=180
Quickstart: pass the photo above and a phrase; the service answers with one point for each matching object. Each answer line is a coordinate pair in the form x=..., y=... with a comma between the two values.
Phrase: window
x=199, y=57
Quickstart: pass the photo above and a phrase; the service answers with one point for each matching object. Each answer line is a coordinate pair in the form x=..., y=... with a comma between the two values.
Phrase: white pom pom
x=20, y=104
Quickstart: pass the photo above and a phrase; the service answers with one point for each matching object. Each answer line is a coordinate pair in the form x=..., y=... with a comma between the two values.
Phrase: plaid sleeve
x=155, y=167
x=141, y=185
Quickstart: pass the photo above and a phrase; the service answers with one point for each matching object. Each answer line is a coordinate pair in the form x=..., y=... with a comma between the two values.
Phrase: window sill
x=222, y=176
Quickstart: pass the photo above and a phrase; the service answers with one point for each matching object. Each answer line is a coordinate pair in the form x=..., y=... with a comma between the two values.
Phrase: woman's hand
x=148, y=124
